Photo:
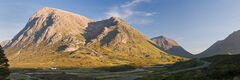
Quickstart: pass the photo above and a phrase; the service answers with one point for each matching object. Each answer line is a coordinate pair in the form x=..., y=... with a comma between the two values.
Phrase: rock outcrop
x=4, y=43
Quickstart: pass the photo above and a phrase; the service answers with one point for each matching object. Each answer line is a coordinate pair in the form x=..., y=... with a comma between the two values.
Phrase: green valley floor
x=221, y=67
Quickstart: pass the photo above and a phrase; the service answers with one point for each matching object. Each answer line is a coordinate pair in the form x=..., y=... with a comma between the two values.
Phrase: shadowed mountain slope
x=171, y=46
x=228, y=46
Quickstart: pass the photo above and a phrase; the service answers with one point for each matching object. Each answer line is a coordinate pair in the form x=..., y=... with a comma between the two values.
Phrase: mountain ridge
x=228, y=46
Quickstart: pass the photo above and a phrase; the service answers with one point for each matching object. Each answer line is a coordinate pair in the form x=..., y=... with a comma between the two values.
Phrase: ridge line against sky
x=194, y=24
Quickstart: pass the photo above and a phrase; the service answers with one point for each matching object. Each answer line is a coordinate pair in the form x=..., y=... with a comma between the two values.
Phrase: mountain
x=171, y=46
x=228, y=46
x=53, y=37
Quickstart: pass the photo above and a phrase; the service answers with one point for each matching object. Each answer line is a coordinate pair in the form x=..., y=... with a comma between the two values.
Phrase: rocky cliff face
x=228, y=46
x=6, y=42
x=171, y=46
x=54, y=37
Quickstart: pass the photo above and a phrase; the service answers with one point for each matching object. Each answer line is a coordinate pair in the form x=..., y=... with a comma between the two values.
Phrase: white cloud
x=133, y=3
x=126, y=11
x=120, y=12
x=150, y=14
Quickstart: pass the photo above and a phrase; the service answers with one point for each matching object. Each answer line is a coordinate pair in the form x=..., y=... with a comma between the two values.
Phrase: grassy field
x=64, y=76
x=177, y=66
x=96, y=73
x=223, y=67
x=84, y=73
x=82, y=70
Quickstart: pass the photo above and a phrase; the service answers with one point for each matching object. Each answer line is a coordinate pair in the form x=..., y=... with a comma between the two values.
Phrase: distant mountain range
x=228, y=46
x=170, y=46
x=53, y=37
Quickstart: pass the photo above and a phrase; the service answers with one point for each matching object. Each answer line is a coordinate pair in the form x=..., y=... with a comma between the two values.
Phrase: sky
x=194, y=24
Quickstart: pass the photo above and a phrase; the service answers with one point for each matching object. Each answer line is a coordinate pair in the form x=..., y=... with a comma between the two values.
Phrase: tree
x=4, y=71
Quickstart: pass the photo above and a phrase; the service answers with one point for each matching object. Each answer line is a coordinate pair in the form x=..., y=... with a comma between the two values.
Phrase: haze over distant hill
x=228, y=46
x=53, y=37
x=171, y=46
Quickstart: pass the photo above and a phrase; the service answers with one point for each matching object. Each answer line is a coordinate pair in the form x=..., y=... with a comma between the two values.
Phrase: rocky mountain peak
x=113, y=18
x=60, y=15
x=46, y=10
x=162, y=37
x=235, y=36
x=51, y=25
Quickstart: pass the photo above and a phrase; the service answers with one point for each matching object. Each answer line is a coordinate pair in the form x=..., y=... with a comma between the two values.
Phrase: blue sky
x=194, y=24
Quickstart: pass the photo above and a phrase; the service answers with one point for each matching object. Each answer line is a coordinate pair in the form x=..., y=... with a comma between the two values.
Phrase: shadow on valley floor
x=223, y=67
x=98, y=69
x=69, y=73
x=100, y=73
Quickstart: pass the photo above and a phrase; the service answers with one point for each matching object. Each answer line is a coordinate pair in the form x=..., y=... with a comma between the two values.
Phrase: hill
x=171, y=46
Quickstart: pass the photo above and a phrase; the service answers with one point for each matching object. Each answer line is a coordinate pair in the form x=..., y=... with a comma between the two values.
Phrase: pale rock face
x=51, y=25
x=71, y=48
x=4, y=43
